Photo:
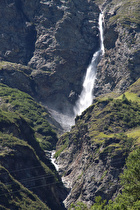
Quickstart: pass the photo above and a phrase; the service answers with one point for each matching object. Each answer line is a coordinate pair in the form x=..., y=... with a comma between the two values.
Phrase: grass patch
x=60, y=150
x=131, y=96
x=104, y=174
x=63, y=143
x=118, y=145
x=135, y=133
x=16, y=102
x=127, y=13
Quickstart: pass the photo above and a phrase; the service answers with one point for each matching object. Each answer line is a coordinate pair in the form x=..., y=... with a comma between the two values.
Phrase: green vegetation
x=127, y=12
x=78, y=206
x=20, y=150
x=110, y=129
x=135, y=133
x=130, y=181
x=133, y=92
x=14, y=195
x=118, y=145
x=115, y=120
x=108, y=117
x=127, y=112
x=63, y=143
x=24, y=129
x=129, y=198
x=16, y=103
x=4, y=65
x=14, y=128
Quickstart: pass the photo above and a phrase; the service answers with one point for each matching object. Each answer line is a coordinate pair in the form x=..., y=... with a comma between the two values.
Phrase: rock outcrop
x=18, y=33
x=92, y=155
x=56, y=38
x=67, y=37
x=46, y=46
x=120, y=65
x=17, y=76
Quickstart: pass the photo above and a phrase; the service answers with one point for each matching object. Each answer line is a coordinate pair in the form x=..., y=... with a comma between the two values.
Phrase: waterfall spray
x=86, y=97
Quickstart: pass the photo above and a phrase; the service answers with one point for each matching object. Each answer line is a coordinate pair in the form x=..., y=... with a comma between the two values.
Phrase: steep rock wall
x=92, y=155
x=56, y=38
x=67, y=37
x=18, y=33
x=121, y=63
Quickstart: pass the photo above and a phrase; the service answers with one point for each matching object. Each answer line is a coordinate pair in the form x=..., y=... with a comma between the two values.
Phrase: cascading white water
x=86, y=97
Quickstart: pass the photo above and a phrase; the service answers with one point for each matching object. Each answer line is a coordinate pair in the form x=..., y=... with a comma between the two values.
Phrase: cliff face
x=57, y=38
x=66, y=39
x=46, y=47
x=92, y=155
x=120, y=66
x=18, y=33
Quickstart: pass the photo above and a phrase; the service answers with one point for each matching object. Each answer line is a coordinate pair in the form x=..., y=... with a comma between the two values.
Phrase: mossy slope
x=14, y=195
x=16, y=103
x=34, y=183
x=126, y=12
x=97, y=146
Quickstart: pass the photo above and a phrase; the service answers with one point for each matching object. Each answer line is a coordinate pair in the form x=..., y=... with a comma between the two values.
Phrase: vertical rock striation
x=120, y=66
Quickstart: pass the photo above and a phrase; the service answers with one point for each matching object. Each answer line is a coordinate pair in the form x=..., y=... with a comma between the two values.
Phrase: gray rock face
x=120, y=66
x=17, y=76
x=89, y=171
x=66, y=40
x=92, y=155
x=57, y=38
x=18, y=33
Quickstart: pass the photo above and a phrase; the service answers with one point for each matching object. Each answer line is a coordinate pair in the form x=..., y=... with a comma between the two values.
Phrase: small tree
x=99, y=204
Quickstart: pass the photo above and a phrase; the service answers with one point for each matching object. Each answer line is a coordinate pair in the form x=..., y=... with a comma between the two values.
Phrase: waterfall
x=86, y=97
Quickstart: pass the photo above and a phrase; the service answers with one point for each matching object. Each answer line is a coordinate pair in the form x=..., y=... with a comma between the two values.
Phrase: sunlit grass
x=135, y=133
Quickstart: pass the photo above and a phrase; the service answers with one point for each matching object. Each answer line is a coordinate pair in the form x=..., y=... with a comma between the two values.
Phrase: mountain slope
x=56, y=39
x=46, y=47
x=120, y=66
x=30, y=178
x=92, y=155
x=18, y=102
x=14, y=196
